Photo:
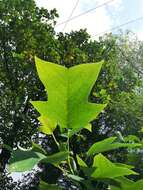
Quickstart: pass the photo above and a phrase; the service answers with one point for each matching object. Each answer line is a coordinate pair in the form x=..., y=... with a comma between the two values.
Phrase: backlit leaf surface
x=68, y=91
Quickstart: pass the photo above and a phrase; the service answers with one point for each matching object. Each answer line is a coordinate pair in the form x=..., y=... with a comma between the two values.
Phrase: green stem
x=55, y=139
x=63, y=170
x=68, y=143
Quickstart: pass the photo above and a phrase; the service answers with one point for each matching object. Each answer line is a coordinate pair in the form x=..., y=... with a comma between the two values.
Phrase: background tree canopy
x=26, y=31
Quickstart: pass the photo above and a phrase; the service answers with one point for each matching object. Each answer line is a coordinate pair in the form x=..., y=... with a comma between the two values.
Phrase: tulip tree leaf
x=56, y=158
x=106, y=169
x=68, y=91
x=109, y=144
x=22, y=161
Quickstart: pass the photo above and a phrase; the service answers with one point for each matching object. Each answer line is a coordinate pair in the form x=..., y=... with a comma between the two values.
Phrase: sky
x=102, y=19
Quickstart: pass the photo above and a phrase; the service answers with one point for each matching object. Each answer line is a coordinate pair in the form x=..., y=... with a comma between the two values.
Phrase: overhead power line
x=66, y=23
x=119, y=26
x=84, y=13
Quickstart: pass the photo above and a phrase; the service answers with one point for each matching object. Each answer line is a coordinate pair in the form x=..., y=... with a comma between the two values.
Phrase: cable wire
x=86, y=12
x=119, y=26
x=66, y=23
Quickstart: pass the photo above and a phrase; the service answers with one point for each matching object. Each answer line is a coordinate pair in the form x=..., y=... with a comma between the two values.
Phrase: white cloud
x=96, y=21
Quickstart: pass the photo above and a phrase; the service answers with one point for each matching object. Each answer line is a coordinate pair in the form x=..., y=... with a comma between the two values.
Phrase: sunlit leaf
x=106, y=169
x=109, y=144
x=68, y=91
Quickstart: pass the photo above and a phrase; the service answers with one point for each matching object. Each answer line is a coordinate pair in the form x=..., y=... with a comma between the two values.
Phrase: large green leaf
x=22, y=161
x=109, y=144
x=68, y=92
x=56, y=158
x=45, y=186
x=106, y=169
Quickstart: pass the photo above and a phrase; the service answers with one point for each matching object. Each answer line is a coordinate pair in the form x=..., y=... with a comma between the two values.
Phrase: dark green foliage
x=21, y=30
